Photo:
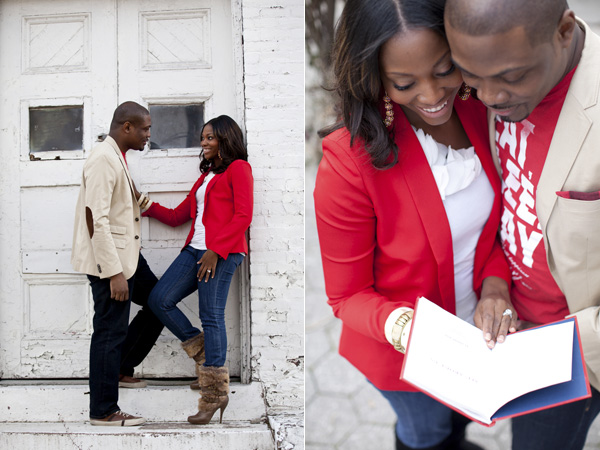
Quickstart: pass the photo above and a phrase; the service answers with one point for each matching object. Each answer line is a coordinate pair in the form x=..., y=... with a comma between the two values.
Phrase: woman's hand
x=208, y=265
x=489, y=314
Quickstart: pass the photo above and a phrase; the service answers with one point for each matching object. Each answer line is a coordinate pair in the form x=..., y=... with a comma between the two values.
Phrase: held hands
x=119, y=290
x=491, y=314
x=208, y=264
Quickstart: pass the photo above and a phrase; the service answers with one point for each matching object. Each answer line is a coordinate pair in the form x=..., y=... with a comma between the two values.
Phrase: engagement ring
x=507, y=312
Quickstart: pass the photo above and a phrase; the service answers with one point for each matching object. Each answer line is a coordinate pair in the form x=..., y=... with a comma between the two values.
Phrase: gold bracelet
x=401, y=322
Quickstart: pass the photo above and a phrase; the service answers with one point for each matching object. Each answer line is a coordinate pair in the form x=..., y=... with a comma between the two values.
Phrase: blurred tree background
x=320, y=17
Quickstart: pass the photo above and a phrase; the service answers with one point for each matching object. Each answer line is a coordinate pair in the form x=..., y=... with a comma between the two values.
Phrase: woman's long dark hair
x=231, y=144
x=363, y=28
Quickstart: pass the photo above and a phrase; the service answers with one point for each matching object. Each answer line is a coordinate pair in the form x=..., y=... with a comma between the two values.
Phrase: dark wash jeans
x=179, y=281
x=564, y=427
x=117, y=347
x=424, y=422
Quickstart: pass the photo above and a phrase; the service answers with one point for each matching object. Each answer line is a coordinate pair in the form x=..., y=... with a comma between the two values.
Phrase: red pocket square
x=575, y=195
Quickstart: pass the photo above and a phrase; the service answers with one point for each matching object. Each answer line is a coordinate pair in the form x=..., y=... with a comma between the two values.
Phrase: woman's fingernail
x=500, y=338
x=488, y=336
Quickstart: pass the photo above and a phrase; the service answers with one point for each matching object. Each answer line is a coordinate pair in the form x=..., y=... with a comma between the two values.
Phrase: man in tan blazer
x=106, y=247
x=537, y=69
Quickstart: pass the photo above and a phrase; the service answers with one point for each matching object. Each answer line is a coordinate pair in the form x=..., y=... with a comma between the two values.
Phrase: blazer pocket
x=115, y=229
x=577, y=195
x=120, y=243
x=575, y=245
x=118, y=235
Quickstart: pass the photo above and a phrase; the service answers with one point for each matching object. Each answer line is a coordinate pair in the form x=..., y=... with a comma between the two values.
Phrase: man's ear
x=566, y=28
x=127, y=127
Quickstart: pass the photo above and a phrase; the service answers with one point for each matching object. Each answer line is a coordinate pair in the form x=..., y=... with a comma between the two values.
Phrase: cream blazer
x=571, y=228
x=107, y=190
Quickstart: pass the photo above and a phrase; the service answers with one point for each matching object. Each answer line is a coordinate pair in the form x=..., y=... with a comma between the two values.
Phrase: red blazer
x=385, y=239
x=227, y=214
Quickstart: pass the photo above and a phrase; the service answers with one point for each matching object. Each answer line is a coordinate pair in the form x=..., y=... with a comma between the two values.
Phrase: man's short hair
x=540, y=18
x=131, y=112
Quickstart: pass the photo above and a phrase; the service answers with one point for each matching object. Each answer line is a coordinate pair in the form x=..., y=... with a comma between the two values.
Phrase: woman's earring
x=219, y=154
x=389, y=110
x=464, y=92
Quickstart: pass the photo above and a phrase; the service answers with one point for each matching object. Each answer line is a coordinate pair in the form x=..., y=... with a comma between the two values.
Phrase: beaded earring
x=389, y=111
x=464, y=92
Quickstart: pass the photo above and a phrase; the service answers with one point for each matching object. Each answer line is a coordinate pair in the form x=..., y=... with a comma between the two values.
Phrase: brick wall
x=274, y=99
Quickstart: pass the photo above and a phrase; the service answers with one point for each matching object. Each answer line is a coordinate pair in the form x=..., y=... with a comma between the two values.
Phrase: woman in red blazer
x=401, y=213
x=220, y=208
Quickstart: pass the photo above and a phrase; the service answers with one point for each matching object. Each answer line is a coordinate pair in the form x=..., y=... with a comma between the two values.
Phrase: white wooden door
x=64, y=66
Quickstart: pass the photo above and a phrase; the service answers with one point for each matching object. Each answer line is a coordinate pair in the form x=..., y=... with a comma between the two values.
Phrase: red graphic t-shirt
x=522, y=148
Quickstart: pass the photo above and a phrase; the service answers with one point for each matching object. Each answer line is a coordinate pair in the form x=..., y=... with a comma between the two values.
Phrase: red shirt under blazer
x=385, y=239
x=228, y=204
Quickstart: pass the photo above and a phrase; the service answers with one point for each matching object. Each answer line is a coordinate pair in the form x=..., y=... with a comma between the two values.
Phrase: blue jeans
x=422, y=421
x=179, y=281
x=117, y=347
x=564, y=427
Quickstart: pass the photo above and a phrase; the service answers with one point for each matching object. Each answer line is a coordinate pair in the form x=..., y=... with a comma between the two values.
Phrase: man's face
x=511, y=76
x=140, y=134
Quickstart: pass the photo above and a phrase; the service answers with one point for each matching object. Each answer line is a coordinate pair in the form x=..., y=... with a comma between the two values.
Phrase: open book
x=448, y=359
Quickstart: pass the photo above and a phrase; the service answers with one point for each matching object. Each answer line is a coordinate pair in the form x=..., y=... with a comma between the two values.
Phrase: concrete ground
x=343, y=411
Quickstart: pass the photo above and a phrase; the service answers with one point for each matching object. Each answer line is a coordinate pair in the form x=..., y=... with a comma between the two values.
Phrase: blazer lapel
x=211, y=183
x=475, y=125
x=419, y=179
x=195, y=187
x=572, y=127
x=561, y=155
x=117, y=150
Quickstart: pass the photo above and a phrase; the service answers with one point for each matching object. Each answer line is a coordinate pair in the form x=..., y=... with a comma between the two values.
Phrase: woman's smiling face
x=418, y=74
x=209, y=143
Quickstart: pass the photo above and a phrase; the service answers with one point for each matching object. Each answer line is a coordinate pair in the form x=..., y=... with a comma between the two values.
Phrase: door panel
x=90, y=56
x=168, y=58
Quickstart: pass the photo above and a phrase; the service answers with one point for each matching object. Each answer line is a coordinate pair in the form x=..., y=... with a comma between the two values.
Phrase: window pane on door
x=176, y=126
x=55, y=128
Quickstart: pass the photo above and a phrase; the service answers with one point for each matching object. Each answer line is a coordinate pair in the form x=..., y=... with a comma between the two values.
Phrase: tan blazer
x=107, y=190
x=571, y=228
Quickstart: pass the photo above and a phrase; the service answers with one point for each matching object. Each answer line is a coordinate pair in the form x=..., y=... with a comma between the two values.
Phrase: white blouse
x=199, y=239
x=468, y=198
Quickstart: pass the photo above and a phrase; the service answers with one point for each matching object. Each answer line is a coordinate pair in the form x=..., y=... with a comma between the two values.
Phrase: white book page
x=448, y=358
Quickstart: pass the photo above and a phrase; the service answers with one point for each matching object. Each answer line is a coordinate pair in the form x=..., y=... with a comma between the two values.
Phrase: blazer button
x=137, y=237
x=137, y=219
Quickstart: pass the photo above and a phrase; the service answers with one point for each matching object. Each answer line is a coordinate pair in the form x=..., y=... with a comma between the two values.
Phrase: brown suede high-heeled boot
x=214, y=383
x=194, y=347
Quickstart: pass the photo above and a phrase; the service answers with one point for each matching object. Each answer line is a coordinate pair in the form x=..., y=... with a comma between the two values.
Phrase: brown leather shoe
x=126, y=381
x=119, y=419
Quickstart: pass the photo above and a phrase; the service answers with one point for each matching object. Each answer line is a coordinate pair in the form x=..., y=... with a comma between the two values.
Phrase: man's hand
x=119, y=289
x=489, y=314
x=208, y=265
